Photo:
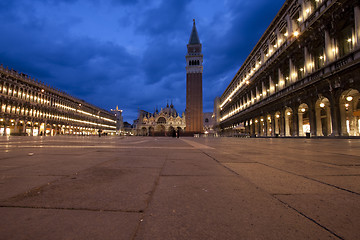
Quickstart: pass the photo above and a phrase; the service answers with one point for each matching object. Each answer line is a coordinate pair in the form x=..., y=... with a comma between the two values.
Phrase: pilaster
x=357, y=25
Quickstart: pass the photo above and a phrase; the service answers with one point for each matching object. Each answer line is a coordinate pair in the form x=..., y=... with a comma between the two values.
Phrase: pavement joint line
x=237, y=162
x=332, y=153
x=72, y=209
x=148, y=201
x=334, y=164
x=309, y=218
x=287, y=205
x=282, y=194
x=338, y=175
x=309, y=178
x=196, y=145
x=274, y=195
x=39, y=188
x=196, y=175
x=226, y=167
x=105, y=146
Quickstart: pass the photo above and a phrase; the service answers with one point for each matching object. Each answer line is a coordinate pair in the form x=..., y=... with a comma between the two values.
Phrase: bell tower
x=194, y=99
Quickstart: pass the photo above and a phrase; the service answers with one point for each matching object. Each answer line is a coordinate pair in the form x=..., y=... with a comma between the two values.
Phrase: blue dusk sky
x=130, y=53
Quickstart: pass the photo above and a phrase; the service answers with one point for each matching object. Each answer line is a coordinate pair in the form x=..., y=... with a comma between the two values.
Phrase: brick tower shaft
x=194, y=98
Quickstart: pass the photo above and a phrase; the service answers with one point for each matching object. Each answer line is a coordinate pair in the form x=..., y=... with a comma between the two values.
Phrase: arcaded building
x=302, y=77
x=29, y=107
x=194, y=70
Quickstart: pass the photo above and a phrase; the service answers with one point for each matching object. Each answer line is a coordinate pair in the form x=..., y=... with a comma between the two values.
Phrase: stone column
x=281, y=79
x=329, y=53
x=287, y=126
x=292, y=69
x=32, y=130
x=289, y=25
x=270, y=48
x=318, y=121
x=335, y=119
x=263, y=90
x=357, y=26
x=282, y=123
x=272, y=125
x=301, y=123
x=277, y=125
x=252, y=97
x=295, y=123
x=271, y=86
x=16, y=127
x=265, y=133
x=5, y=126
x=262, y=57
x=308, y=62
x=312, y=119
x=247, y=128
x=252, y=126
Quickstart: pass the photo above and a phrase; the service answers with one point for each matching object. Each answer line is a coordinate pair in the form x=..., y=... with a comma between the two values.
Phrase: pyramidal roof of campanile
x=194, y=37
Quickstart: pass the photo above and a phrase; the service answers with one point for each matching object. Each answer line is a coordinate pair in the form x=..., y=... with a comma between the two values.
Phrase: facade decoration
x=29, y=107
x=194, y=69
x=161, y=123
x=303, y=76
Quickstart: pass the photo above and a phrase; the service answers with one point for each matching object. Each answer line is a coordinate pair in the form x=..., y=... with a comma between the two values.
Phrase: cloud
x=165, y=19
x=124, y=2
x=130, y=53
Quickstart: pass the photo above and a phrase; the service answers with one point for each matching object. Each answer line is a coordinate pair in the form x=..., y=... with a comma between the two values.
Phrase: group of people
x=176, y=133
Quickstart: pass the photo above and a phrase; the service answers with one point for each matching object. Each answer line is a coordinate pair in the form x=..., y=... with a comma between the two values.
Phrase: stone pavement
x=189, y=188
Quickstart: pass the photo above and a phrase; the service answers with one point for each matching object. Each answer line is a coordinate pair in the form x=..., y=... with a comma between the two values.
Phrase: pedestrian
x=178, y=133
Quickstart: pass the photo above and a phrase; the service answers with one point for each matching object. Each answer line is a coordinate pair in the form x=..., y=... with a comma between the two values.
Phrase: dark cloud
x=165, y=20
x=225, y=54
x=106, y=72
x=161, y=60
x=124, y=2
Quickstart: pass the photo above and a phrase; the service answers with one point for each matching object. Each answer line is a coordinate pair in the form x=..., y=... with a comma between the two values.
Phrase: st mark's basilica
x=160, y=123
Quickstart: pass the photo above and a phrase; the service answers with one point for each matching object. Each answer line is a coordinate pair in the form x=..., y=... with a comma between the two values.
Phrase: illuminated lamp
x=349, y=98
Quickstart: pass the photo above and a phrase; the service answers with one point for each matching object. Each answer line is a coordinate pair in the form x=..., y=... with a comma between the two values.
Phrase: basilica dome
x=169, y=110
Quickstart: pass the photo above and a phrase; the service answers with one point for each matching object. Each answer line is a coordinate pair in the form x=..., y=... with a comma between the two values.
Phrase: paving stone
x=340, y=213
x=45, y=224
x=191, y=208
x=98, y=188
x=188, y=188
x=276, y=181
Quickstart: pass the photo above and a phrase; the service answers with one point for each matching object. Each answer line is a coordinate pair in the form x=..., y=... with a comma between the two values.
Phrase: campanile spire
x=194, y=69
